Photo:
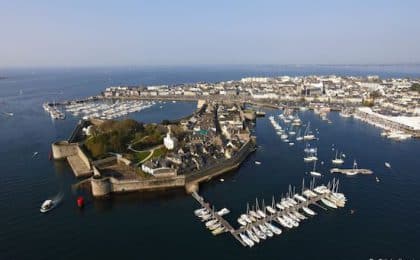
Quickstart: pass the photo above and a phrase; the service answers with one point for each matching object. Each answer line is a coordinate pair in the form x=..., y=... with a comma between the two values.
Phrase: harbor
x=261, y=223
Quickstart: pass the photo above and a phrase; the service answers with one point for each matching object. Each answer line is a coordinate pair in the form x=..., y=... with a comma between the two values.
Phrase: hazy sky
x=107, y=33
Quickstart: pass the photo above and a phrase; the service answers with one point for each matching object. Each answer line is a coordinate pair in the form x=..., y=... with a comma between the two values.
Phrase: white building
x=169, y=141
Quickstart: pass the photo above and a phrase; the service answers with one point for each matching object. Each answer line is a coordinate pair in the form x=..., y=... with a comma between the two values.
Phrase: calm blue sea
x=162, y=225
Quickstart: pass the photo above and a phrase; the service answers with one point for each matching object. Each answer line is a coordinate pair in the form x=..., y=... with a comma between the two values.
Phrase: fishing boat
x=337, y=160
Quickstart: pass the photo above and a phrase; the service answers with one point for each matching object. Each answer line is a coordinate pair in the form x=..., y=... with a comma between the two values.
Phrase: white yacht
x=273, y=228
x=258, y=232
x=246, y=240
x=252, y=236
x=314, y=172
x=328, y=203
x=337, y=160
x=308, y=211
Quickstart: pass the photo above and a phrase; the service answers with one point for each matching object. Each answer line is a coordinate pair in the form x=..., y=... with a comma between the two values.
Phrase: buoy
x=80, y=202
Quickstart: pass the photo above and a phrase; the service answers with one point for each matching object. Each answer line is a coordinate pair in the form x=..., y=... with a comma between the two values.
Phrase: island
x=125, y=155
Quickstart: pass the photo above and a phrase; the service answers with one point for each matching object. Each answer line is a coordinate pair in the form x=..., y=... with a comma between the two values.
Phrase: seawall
x=102, y=186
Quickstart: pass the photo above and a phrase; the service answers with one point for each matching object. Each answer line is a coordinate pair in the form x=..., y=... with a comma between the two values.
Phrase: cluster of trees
x=115, y=136
x=415, y=87
x=112, y=136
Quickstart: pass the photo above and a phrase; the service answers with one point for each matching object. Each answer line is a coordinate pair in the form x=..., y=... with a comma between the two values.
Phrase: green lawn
x=138, y=157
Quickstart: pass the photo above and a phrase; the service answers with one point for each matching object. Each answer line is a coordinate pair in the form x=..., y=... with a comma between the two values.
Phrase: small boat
x=211, y=222
x=271, y=210
x=222, y=180
x=291, y=144
x=273, y=228
x=328, y=203
x=265, y=230
x=223, y=212
x=47, y=206
x=337, y=160
x=284, y=223
x=34, y=154
x=262, y=214
x=258, y=232
x=246, y=240
x=315, y=173
x=241, y=221
x=377, y=179
x=8, y=114
x=218, y=231
x=215, y=226
x=252, y=236
x=387, y=164
x=254, y=214
x=309, y=211
x=257, y=162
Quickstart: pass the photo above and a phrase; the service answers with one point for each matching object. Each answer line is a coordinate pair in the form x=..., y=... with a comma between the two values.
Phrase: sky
x=141, y=33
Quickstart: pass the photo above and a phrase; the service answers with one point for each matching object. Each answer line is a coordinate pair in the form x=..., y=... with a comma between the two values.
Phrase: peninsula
x=125, y=155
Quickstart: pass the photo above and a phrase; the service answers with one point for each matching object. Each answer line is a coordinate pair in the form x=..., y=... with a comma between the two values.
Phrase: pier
x=351, y=171
x=270, y=217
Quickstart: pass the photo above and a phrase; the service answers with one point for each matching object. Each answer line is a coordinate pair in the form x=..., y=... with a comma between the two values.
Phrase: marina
x=260, y=223
x=134, y=217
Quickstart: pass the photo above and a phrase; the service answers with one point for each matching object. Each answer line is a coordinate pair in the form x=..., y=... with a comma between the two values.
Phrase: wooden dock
x=351, y=171
x=270, y=217
x=223, y=222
